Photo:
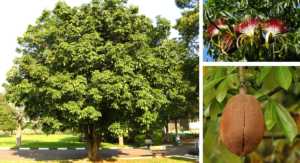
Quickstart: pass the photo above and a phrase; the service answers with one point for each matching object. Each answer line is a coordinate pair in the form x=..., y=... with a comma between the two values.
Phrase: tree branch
x=278, y=137
x=275, y=90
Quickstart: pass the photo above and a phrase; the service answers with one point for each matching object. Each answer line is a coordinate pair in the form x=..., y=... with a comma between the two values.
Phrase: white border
x=201, y=82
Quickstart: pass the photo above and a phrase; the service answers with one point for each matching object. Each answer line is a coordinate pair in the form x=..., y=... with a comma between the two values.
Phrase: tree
x=267, y=85
x=188, y=27
x=275, y=30
x=7, y=121
x=188, y=24
x=99, y=67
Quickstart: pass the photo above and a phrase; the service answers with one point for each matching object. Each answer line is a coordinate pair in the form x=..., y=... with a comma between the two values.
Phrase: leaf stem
x=242, y=88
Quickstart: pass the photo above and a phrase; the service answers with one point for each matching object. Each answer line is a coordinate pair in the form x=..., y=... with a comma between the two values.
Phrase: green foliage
x=234, y=12
x=100, y=63
x=7, y=115
x=188, y=24
x=263, y=83
x=140, y=140
x=157, y=138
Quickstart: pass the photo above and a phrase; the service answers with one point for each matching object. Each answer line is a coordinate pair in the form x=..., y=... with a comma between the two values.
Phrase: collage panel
x=99, y=81
x=251, y=114
x=251, y=31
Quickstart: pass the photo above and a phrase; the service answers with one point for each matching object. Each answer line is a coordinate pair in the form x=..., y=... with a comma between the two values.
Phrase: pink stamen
x=276, y=26
x=212, y=29
x=246, y=26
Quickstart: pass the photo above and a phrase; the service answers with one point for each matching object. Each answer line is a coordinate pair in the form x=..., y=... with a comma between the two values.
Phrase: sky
x=16, y=15
x=209, y=59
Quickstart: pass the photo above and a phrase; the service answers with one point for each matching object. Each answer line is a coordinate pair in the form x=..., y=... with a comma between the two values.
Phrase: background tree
x=99, y=67
x=188, y=24
x=7, y=121
x=270, y=86
x=188, y=27
x=234, y=12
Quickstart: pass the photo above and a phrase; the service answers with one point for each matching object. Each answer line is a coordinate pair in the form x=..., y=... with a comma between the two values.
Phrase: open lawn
x=50, y=141
x=153, y=160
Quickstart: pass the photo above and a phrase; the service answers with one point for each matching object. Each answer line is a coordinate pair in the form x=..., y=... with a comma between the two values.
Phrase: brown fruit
x=242, y=124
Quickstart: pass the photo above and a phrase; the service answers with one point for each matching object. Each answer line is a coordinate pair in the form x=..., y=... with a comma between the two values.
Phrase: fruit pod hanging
x=242, y=124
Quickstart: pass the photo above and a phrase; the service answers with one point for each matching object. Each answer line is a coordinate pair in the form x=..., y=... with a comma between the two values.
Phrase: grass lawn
x=50, y=141
x=153, y=160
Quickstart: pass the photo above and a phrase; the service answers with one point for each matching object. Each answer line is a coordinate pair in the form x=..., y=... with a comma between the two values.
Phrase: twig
x=278, y=137
x=275, y=90
x=212, y=22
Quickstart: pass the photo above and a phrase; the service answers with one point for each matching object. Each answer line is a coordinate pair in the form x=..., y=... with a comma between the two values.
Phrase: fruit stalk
x=242, y=86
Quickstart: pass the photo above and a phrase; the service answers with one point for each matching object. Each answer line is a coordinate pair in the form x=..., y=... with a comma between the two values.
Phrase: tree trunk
x=167, y=129
x=93, y=141
x=189, y=114
x=121, y=142
x=18, y=132
x=176, y=131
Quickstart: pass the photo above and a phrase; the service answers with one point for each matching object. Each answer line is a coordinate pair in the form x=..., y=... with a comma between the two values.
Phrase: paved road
x=39, y=155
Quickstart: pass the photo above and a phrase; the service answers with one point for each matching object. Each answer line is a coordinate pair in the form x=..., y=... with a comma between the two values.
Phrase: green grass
x=153, y=160
x=50, y=141
x=161, y=160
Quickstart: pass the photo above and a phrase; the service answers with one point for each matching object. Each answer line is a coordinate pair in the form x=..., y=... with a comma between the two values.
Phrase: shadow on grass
x=61, y=155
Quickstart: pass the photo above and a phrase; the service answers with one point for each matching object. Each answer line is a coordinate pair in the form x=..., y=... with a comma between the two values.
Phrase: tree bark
x=121, y=141
x=189, y=114
x=18, y=132
x=167, y=129
x=176, y=130
x=93, y=141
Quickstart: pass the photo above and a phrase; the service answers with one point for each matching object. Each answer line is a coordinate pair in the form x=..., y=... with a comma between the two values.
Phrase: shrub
x=157, y=137
x=140, y=140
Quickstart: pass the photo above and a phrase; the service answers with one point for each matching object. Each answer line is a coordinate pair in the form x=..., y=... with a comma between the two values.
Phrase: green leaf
x=286, y=123
x=283, y=76
x=264, y=107
x=263, y=73
x=227, y=155
x=214, y=126
x=222, y=104
x=209, y=143
x=263, y=97
x=242, y=60
x=295, y=76
x=270, y=81
x=233, y=81
x=270, y=115
x=222, y=90
x=227, y=14
x=211, y=84
x=230, y=69
x=213, y=110
x=209, y=95
x=219, y=73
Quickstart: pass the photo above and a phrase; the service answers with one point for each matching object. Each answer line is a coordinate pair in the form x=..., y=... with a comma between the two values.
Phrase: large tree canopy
x=99, y=66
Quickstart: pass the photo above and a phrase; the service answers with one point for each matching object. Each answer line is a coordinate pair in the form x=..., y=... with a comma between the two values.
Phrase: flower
x=213, y=30
x=274, y=28
x=247, y=27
